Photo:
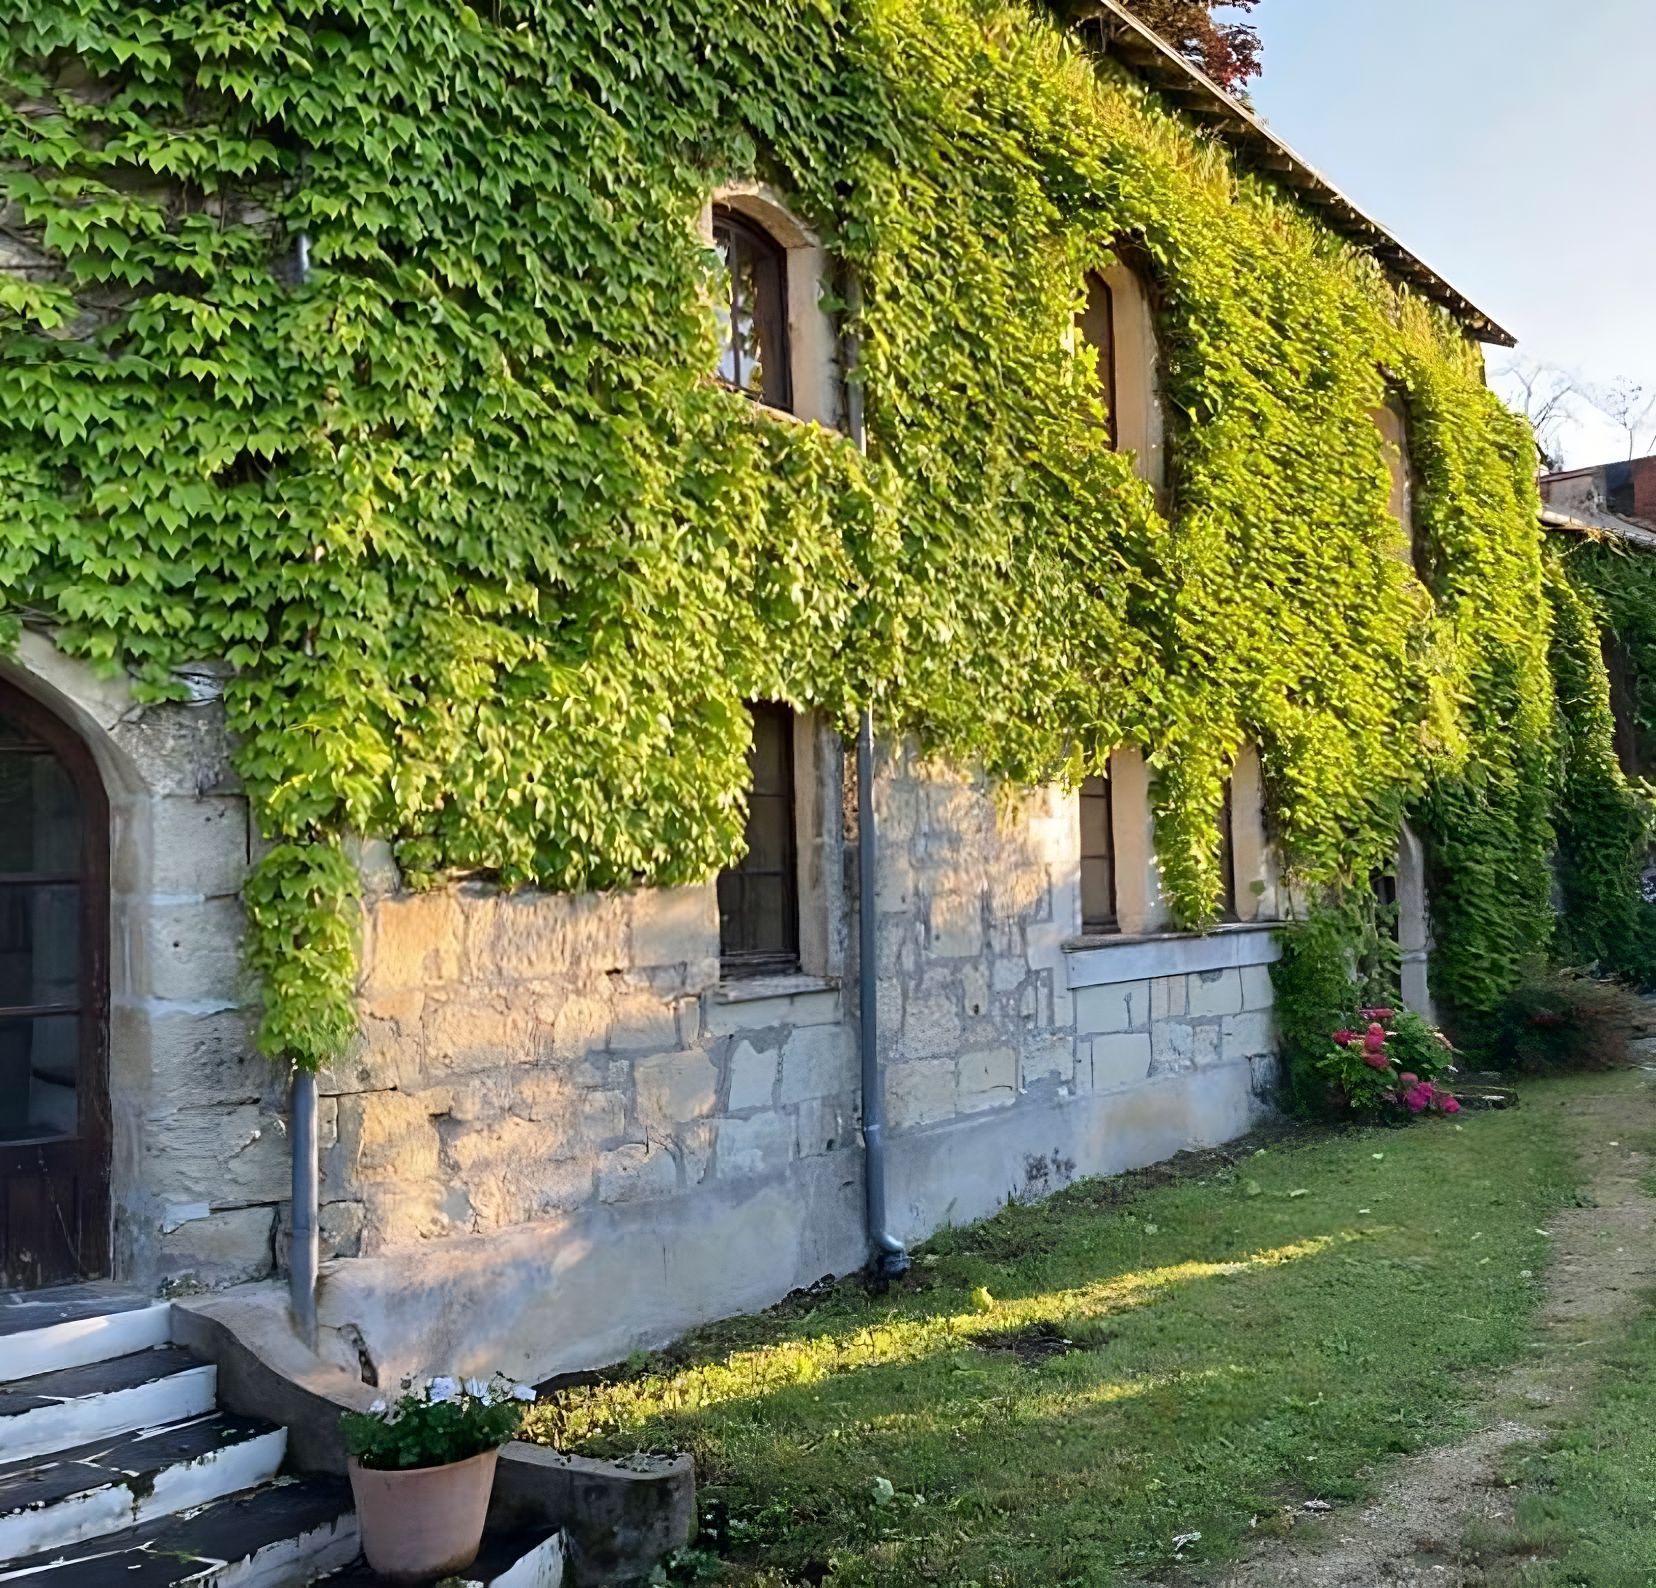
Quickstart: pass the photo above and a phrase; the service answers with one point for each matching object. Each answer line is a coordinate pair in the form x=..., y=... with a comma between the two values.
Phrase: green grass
x=1587, y=1514
x=1244, y=1341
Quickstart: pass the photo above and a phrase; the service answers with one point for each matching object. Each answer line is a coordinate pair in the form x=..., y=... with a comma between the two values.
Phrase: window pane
x=1098, y=905
x=39, y=1065
x=1098, y=332
x=758, y=897
x=39, y=811
x=39, y=944
x=1227, y=859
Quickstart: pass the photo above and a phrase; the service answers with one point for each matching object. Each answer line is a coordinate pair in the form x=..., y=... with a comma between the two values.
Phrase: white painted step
x=527, y=1559
x=288, y=1533
x=77, y=1342
x=51, y=1501
x=77, y=1406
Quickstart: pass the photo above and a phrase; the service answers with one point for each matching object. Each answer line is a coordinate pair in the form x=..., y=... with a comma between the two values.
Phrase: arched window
x=754, y=356
x=1391, y=418
x=1118, y=328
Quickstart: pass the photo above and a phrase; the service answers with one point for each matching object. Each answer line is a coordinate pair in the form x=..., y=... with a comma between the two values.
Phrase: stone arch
x=1414, y=929
x=196, y=1152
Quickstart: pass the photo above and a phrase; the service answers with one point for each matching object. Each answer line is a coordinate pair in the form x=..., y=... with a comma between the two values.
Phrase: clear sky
x=1511, y=144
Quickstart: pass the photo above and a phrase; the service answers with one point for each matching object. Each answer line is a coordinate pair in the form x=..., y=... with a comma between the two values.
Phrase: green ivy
x=1605, y=821
x=497, y=564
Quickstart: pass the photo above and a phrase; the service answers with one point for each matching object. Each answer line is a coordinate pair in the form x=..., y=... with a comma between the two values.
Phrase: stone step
x=507, y=1560
x=42, y=1331
x=289, y=1533
x=50, y=1501
x=74, y=1406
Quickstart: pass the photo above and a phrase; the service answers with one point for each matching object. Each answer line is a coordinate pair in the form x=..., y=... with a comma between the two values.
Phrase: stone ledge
x=1099, y=961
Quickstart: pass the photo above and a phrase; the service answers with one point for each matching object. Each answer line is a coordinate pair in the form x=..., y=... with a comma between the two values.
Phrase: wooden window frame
x=780, y=957
x=1098, y=331
x=1228, y=901
x=732, y=231
x=1094, y=921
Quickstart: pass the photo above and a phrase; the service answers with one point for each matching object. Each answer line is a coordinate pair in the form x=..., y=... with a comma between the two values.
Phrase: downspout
x=304, y=1250
x=890, y=1258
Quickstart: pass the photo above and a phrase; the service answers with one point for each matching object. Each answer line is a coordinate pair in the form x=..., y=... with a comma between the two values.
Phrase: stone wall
x=560, y=1137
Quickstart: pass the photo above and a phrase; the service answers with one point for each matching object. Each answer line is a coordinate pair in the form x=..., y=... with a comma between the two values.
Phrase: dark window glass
x=1098, y=888
x=1618, y=664
x=759, y=895
x=753, y=318
x=1227, y=858
x=39, y=1072
x=1098, y=332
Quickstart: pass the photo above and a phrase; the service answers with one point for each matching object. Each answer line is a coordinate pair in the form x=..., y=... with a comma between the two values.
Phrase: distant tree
x=1547, y=396
x=1631, y=408
x=1227, y=51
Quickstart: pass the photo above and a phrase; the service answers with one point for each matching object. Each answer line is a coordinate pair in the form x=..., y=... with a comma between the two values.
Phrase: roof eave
x=1194, y=92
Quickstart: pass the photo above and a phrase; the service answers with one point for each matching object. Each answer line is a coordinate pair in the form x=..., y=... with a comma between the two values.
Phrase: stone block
x=511, y=1172
x=818, y=1061
x=532, y=936
x=193, y=950
x=1168, y=999
x=825, y=1124
x=191, y=1060
x=987, y=1079
x=198, y=847
x=635, y=1173
x=672, y=926
x=752, y=1074
x=1118, y=1006
x=1048, y=1057
x=1257, y=992
x=465, y=1035
x=578, y=1022
x=1214, y=992
x=1249, y=1036
x=920, y=1091
x=753, y=1145
x=231, y=1247
x=1204, y=1043
x=673, y=1087
x=896, y=810
x=179, y=747
x=1008, y=974
x=339, y=1227
x=1120, y=1059
x=974, y=990
x=893, y=880
x=601, y=1116
x=1172, y=1046
x=234, y=1153
x=931, y=1024
x=384, y=1136
x=413, y=940
x=642, y=1023
x=726, y=1016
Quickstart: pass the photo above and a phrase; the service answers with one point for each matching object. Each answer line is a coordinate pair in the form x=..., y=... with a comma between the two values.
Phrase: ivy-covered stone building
x=467, y=478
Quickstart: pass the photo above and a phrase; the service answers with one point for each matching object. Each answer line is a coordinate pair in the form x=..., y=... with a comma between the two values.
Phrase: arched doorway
x=54, y=1002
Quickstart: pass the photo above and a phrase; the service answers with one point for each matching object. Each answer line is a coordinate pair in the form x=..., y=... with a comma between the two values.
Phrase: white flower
x=443, y=1388
x=477, y=1389
x=378, y=1409
x=523, y=1392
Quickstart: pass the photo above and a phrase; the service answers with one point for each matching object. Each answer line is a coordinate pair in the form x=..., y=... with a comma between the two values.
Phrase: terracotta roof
x=1122, y=35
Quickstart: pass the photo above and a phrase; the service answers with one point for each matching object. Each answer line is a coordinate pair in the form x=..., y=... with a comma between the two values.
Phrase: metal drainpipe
x=890, y=1257
x=304, y=1250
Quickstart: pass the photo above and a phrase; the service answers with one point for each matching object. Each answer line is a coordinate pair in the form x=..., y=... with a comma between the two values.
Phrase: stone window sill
x=752, y=989
x=1100, y=960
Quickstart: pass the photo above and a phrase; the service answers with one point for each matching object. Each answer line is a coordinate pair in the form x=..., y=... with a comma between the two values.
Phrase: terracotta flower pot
x=423, y=1522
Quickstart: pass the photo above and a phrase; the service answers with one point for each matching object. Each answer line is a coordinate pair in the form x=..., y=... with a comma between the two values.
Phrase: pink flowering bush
x=1387, y=1064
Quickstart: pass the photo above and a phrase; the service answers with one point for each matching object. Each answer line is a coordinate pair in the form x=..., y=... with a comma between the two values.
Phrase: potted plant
x=421, y=1470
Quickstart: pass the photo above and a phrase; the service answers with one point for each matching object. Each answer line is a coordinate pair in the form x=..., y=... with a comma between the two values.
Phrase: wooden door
x=54, y=1010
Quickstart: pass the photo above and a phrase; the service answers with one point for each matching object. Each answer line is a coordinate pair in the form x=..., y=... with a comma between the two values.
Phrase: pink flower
x=1375, y=1037
x=1416, y=1098
x=1376, y=1061
x=1450, y=1106
x=1344, y=1037
x=1379, y=1014
x=1406, y=1079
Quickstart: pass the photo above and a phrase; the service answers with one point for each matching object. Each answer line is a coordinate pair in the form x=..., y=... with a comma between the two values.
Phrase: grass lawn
x=1060, y=1393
